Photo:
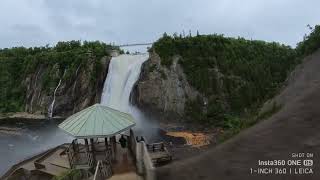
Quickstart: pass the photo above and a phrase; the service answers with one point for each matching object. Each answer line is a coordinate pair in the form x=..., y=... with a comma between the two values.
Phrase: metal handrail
x=73, y=150
x=103, y=170
x=95, y=177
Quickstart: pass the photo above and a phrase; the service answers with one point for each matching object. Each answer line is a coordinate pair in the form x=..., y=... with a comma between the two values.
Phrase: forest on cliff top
x=235, y=76
x=60, y=61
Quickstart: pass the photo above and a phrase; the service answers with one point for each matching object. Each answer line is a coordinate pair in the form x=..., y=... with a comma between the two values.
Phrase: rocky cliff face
x=163, y=91
x=82, y=89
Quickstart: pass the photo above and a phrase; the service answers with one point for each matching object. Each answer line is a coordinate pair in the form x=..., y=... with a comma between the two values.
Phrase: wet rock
x=82, y=90
x=163, y=90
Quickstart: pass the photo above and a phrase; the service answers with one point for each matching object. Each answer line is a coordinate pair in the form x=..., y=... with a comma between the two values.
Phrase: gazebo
x=95, y=129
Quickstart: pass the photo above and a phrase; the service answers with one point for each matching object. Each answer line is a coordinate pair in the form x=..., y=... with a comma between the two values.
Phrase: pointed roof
x=97, y=121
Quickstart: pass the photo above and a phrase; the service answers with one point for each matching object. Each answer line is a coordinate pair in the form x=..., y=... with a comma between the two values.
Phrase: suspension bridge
x=134, y=44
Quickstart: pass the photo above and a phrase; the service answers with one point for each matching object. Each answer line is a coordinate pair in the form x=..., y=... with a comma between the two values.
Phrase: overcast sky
x=41, y=22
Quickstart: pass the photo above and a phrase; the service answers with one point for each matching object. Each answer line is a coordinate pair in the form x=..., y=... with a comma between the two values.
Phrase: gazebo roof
x=97, y=121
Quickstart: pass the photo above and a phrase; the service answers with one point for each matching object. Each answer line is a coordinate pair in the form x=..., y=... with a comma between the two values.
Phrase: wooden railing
x=159, y=153
x=104, y=169
x=71, y=158
x=71, y=153
x=156, y=147
x=76, y=156
x=108, y=154
x=90, y=159
x=97, y=173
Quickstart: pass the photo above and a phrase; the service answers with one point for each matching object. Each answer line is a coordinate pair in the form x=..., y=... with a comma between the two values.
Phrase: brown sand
x=193, y=139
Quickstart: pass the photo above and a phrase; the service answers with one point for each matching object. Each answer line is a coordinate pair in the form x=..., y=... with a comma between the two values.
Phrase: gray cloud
x=40, y=22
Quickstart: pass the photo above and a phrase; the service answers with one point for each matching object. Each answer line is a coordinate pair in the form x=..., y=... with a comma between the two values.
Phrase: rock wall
x=83, y=89
x=161, y=90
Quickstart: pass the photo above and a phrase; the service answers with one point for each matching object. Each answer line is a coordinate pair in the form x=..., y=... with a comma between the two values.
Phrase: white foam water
x=50, y=110
x=123, y=73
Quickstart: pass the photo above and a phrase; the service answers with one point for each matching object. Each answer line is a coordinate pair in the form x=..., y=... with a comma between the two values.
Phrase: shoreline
x=15, y=131
x=24, y=117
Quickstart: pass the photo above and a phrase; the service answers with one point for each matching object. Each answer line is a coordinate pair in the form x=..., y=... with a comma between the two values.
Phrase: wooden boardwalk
x=51, y=162
x=55, y=162
x=123, y=166
x=126, y=176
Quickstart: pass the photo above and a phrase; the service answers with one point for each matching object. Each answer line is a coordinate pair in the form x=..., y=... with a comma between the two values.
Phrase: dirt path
x=294, y=129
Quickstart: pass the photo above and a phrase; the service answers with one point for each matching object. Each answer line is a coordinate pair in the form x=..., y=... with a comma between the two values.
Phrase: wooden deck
x=55, y=162
x=111, y=161
x=51, y=162
x=126, y=176
x=123, y=165
x=159, y=153
x=124, y=162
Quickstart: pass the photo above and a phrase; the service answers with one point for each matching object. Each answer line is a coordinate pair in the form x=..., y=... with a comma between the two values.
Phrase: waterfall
x=50, y=110
x=124, y=71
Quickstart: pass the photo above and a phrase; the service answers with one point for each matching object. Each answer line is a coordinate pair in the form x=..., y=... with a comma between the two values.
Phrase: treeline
x=234, y=75
x=310, y=42
x=59, y=61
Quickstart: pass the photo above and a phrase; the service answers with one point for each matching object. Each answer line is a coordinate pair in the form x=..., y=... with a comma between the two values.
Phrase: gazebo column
x=93, y=149
x=108, y=151
x=86, y=144
x=113, y=142
x=73, y=146
x=106, y=143
x=92, y=144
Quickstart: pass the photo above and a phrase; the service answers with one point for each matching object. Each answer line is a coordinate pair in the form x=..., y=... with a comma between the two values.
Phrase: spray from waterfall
x=124, y=71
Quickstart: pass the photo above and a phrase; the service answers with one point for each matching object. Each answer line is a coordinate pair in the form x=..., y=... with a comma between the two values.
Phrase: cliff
x=79, y=91
x=211, y=79
x=163, y=91
x=70, y=74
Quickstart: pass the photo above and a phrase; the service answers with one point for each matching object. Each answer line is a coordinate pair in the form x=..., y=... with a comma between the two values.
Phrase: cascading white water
x=50, y=110
x=124, y=71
